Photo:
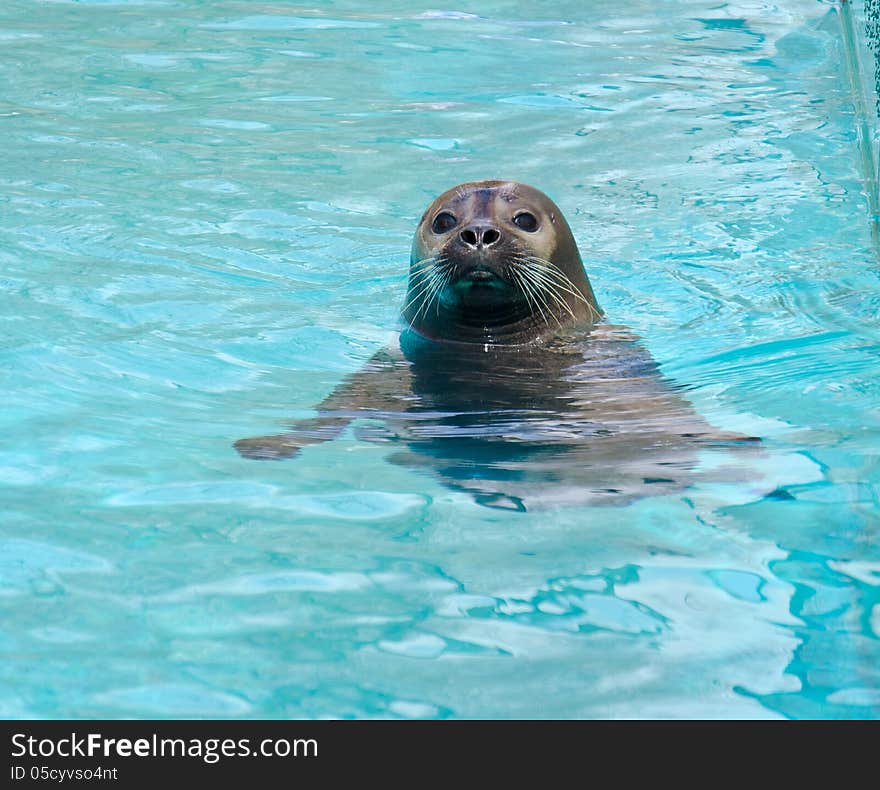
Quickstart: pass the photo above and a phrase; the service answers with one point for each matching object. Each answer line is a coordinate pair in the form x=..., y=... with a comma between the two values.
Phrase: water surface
x=205, y=220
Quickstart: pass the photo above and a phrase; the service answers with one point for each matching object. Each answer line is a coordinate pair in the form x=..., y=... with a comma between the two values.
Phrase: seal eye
x=526, y=221
x=443, y=222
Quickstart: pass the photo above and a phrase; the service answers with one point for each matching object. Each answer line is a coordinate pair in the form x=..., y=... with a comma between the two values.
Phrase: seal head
x=495, y=262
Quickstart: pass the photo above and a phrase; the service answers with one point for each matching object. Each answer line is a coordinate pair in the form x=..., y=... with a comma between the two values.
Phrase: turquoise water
x=205, y=217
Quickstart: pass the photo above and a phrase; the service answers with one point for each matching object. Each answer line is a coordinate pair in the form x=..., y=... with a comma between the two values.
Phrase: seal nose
x=479, y=236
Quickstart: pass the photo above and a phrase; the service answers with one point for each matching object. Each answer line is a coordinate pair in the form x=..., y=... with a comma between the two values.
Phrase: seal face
x=495, y=262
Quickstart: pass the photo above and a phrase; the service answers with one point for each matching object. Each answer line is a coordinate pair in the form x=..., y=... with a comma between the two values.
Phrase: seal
x=507, y=382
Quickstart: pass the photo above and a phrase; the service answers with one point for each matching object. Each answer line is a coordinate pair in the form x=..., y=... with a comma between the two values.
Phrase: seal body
x=506, y=383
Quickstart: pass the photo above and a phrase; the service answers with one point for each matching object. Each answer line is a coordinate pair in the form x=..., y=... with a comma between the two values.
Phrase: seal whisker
x=552, y=288
x=420, y=291
x=421, y=271
x=549, y=268
x=528, y=293
x=555, y=271
x=561, y=281
x=426, y=296
x=544, y=284
x=537, y=291
x=435, y=285
x=545, y=289
x=425, y=264
x=445, y=281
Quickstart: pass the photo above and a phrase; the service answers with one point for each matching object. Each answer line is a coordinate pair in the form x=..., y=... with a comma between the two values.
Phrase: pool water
x=205, y=218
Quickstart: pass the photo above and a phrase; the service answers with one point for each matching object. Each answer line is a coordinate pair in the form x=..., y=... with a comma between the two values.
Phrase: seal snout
x=480, y=236
x=479, y=275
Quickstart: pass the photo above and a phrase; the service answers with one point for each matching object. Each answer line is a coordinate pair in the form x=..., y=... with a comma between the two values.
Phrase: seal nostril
x=469, y=237
x=490, y=236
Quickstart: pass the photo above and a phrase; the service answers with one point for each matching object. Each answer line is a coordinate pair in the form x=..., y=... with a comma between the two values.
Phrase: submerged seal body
x=506, y=382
